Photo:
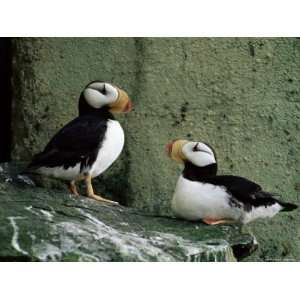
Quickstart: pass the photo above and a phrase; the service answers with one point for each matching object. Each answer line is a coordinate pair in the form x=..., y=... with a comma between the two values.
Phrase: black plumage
x=88, y=145
x=243, y=191
x=77, y=142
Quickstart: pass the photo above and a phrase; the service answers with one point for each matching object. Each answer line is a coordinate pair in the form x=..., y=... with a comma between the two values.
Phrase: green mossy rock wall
x=241, y=95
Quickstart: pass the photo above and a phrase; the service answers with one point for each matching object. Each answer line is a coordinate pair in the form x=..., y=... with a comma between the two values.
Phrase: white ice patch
x=124, y=224
x=129, y=244
x=208, y=251
x=40, y=212
x=46, y=251
x=47, y=214
x=30, y=208
x=15, y=237
x=211, y=252
x=93, y=240
x=26, y=180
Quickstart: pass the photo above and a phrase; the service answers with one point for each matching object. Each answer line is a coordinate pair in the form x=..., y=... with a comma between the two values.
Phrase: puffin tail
x=27, y=171
x=36, y=162
x=287, y=206
x=30, y=169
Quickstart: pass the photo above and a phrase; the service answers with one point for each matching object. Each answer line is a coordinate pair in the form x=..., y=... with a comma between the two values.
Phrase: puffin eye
x=195, y=149
x=103, y=90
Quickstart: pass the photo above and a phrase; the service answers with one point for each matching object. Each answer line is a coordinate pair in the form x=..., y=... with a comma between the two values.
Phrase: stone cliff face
x=239, y=94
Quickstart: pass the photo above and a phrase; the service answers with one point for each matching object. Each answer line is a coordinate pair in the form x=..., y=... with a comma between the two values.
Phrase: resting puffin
x=201, y=194
x=89, y=144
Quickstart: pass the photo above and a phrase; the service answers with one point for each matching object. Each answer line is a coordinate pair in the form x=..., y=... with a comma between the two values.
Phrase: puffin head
x=98, y=94
x=197, y=153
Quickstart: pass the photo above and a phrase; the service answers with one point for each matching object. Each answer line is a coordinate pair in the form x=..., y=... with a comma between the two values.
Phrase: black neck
x=85, y=109
x=195, y=173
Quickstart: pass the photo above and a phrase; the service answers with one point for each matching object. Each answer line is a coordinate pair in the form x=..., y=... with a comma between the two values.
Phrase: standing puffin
x=89, y=144
x=201, y=194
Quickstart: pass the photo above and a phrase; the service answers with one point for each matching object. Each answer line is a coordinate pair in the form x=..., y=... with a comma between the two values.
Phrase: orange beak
x=128, y=107
x=168, y=148
x=174, y=150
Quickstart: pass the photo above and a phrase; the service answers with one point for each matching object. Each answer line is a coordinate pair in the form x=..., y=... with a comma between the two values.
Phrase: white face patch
x=99, y=94
x=199, y=154
x=97, y=85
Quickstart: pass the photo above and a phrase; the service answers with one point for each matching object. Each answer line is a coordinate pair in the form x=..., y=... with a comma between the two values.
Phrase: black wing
x=244, y=191
x=78, y=141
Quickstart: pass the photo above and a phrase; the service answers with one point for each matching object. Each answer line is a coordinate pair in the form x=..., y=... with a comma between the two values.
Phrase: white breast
x=195, y=200
x=111, y=148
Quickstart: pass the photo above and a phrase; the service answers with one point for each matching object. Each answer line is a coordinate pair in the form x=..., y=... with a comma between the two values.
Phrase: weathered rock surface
x=38, y=224
x=239, y=94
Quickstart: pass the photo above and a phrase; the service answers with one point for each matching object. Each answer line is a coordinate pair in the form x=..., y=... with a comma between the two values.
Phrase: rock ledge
x=37, y=224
